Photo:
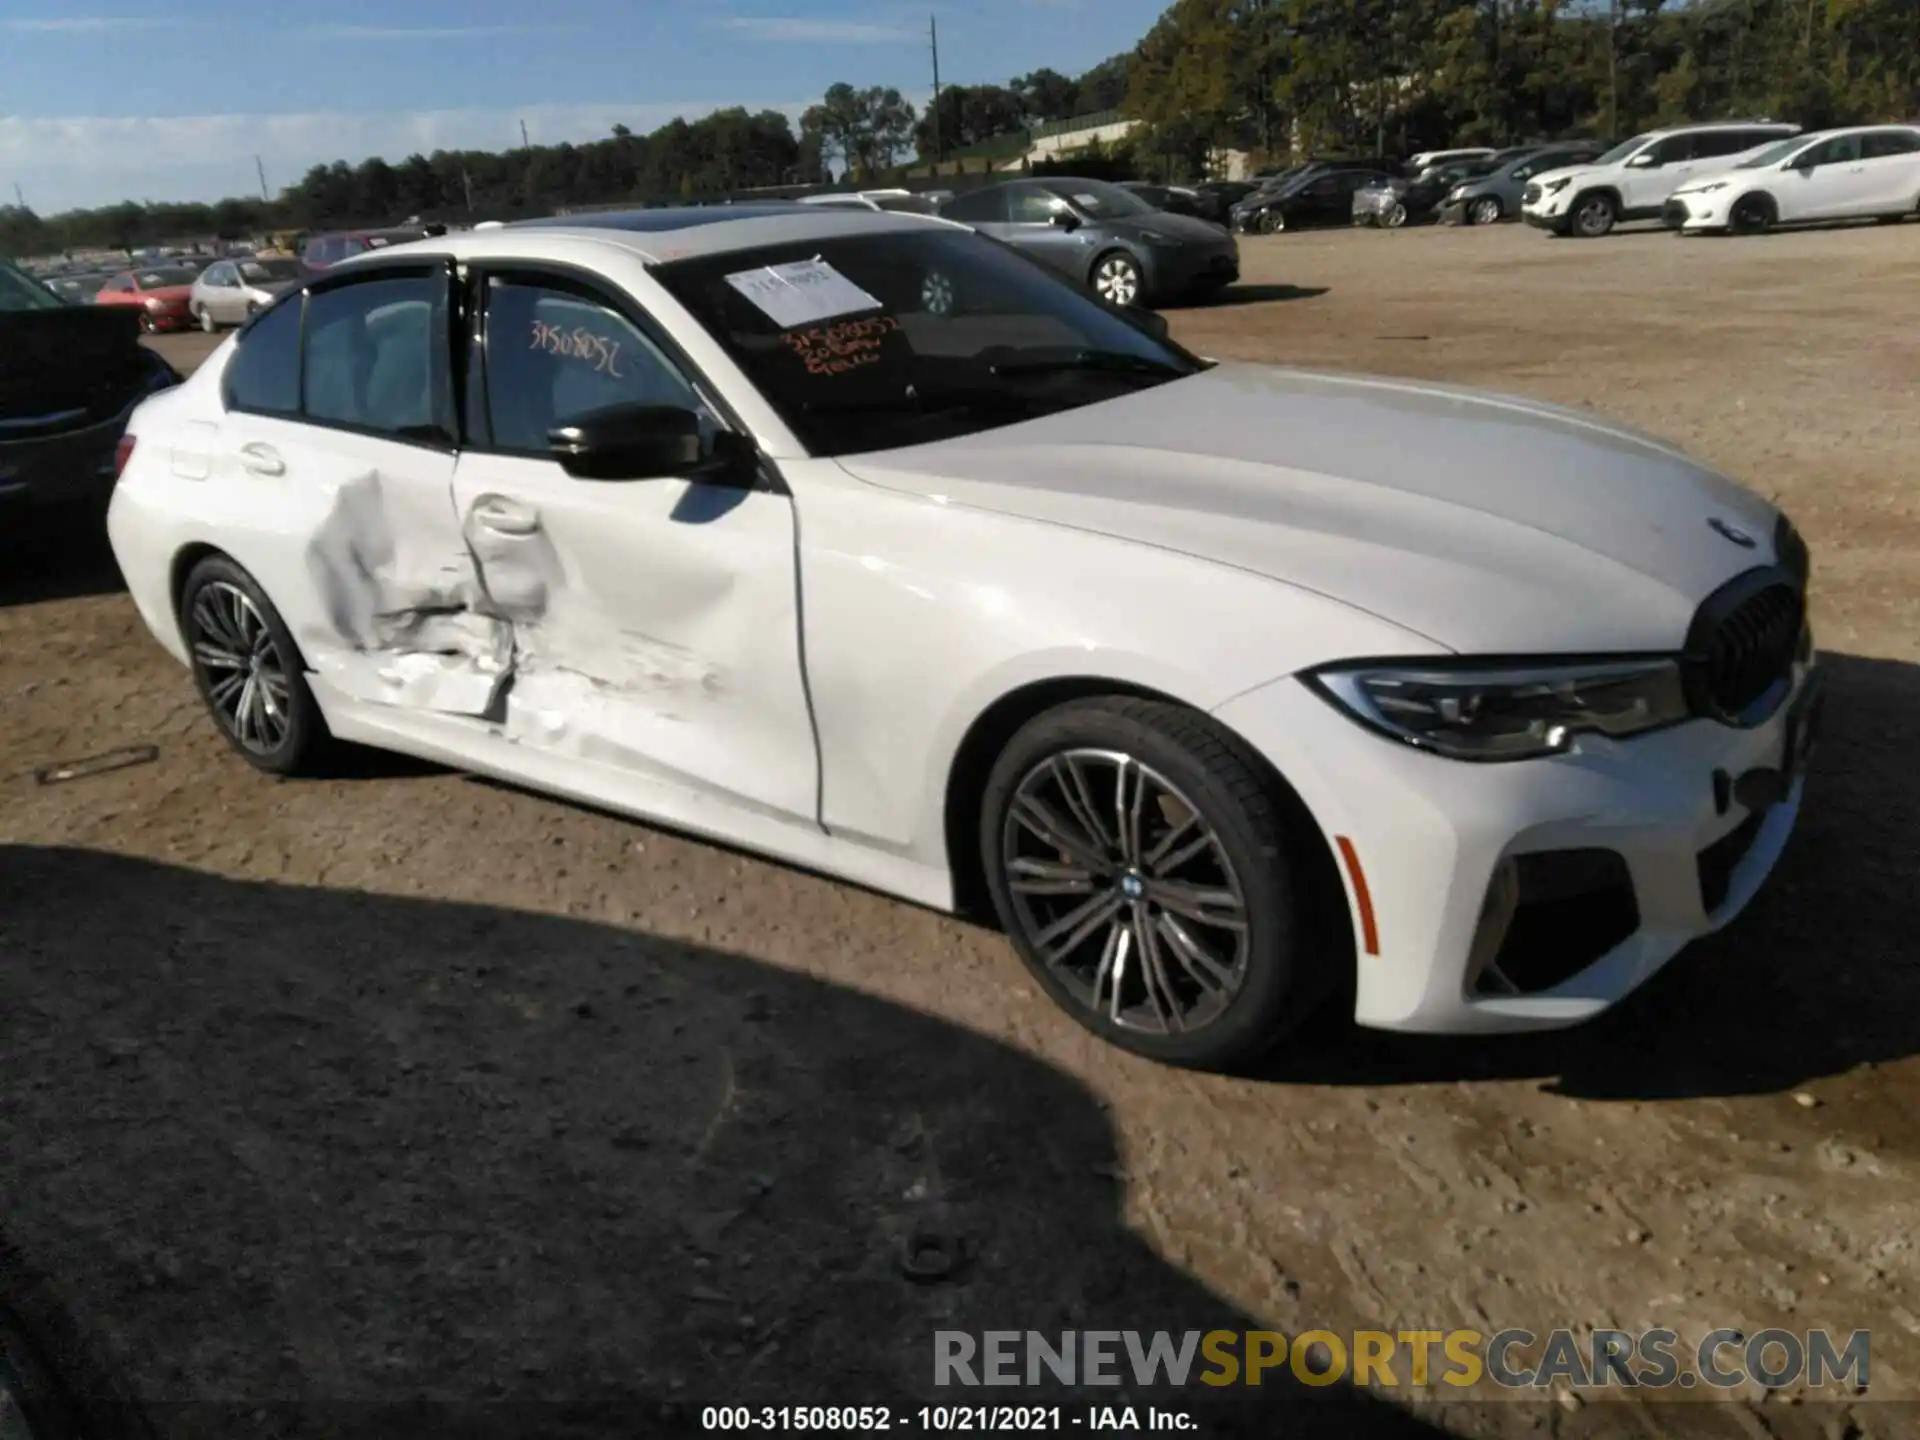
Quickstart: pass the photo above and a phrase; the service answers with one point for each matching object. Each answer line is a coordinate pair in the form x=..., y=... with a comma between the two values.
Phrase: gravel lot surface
x=408, y=1085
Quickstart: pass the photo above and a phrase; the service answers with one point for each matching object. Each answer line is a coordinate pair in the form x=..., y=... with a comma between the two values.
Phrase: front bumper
x=1539, y=220
x=1430, y=837
x=168, y=321
x=1693, y=212
x=1454, y=212
x=1172, y=273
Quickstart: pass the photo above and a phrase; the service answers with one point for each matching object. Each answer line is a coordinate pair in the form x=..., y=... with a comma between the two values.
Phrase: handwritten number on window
x=601, y=354
x=837, y=349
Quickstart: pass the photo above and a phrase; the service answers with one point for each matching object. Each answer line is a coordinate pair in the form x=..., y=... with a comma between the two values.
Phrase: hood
x=166, y=292
x=1166, y=223
x=1485, y=523
x=1578, y=174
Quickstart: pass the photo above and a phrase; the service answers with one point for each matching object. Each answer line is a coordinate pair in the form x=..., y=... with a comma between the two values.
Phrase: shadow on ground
x=56, y=554
x=1819, y=976
x=1254, y=295
x=287, y=1161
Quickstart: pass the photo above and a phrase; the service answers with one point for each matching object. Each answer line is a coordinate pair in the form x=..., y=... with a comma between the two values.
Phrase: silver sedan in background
x=228, y=291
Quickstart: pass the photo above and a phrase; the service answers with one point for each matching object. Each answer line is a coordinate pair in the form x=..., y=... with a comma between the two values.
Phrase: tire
x=1592, y=216
x=1214, y=825
x=277, y=727
x=1117, y=280
x=1487, y=210
x=147, y=327
x=1751, y=215
x=205, y=317
x=1396, y=217
x=1272, y=222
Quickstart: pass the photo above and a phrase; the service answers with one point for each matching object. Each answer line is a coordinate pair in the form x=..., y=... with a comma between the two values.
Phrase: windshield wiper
x=1105, y=362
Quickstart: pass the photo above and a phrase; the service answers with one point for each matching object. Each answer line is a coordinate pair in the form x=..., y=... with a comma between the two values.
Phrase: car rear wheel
x=1593, y=216
x=1484, y=211
x=248, y=670
x=1146, y=875
x=1116, y=279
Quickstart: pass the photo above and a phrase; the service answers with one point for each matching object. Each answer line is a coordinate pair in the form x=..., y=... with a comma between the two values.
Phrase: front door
x=1826, y=183
x=1033, y=216
x=654, y=622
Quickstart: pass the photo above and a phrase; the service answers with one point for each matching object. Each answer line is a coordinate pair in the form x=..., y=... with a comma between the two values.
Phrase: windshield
x=1774, y=152
x=267, y=272
x=1622, y=150
x=20, y=291
x=911, y=204
x=871, y=342
x=1099, y=199
x=156, y=279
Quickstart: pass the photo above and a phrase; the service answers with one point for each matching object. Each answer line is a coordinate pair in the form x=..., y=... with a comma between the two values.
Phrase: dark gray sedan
x=1495, y=195
x=1104, y=237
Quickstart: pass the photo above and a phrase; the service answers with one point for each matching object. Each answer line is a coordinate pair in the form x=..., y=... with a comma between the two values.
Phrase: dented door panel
x=653, y=626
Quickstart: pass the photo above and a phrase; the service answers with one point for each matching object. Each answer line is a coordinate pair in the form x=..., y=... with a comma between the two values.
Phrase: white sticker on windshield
x=801, y=292
x=1090, y=202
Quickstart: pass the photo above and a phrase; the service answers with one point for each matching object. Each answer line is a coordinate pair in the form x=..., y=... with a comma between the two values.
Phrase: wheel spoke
x=224, y=690
x=1073, y=787
x=1046, y=822
x=1153, y=973
x=1126, y=813
x=1193, y=957
x=1219, y=908
x=1065, y=935
x=217, y=657
x=1049, y=877
x=243, y=711
x=1119, y=950
x=212, y=621
x=1151, y=860
x=1192, y=850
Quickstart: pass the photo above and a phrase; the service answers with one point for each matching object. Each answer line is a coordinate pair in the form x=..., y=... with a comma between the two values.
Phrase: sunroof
x=673, y=217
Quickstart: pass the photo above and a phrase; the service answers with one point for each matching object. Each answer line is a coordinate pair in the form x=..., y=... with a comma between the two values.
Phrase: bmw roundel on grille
x=1732, y=532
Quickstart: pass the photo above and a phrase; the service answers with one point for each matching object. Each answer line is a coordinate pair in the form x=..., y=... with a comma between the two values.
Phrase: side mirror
x=1064, y=220
x=641, y=442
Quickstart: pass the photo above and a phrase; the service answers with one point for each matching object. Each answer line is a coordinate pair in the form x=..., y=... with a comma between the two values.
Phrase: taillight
x=122, y=453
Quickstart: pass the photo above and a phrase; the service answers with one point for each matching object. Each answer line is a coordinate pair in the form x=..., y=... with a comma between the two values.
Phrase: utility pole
x=1613, y=73
x=466, y=183
x=523, y=136
x=18, y=196
x=261, y=171
x=933, y=39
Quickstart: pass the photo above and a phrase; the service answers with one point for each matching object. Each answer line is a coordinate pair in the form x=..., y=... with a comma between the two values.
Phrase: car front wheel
x=1485, y=211
x=1593, y=216
x=1116, y=279
x=1145, y=872
x=205, y=317
x=248, y=670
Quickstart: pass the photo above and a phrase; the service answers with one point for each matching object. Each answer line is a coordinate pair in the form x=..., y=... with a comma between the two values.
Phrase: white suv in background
x=1633, y=180
x=1867, y=172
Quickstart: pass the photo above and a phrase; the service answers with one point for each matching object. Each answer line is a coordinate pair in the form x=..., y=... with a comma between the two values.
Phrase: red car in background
x=161, y=293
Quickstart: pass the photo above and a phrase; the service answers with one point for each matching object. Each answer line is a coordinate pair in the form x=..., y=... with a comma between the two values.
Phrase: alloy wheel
x=1396, y=217
x=936, y=293
x=1594, y=218
x=1125, y=892
x=246, y=675
x=1485, y=211
x=1117, y=280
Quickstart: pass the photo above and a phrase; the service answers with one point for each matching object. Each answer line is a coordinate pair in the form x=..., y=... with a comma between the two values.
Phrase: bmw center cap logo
x=1133, y=887
x=1732, y=532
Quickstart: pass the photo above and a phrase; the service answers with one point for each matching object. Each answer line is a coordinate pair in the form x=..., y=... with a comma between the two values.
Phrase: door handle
x=503, y=517
x=261, y=459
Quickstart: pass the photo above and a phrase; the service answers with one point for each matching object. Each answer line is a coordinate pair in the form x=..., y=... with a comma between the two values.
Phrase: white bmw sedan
x=862, y=541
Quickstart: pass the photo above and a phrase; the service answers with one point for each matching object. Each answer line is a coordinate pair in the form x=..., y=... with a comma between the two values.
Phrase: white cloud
x=82, y=24
x=424, y=32
x=817, y=32
x=64, y=164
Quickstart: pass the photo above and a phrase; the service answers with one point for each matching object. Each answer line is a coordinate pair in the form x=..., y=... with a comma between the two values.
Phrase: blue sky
x=168, y=101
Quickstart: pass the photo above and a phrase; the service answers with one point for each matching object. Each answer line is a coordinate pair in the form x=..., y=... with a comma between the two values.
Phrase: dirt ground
x=408, y=1085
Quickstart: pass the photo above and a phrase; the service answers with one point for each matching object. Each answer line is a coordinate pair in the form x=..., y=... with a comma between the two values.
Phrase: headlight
x=156, y=304
x=1708, y=189
x=1554, y=187
x=1471, y=711
x=1458, y=192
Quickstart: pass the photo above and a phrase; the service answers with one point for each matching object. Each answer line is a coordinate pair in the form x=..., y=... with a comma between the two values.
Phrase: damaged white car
x=863, y=541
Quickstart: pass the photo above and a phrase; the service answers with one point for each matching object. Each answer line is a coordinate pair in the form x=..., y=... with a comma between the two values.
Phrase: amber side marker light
x=122, y=453
x=1369, y=934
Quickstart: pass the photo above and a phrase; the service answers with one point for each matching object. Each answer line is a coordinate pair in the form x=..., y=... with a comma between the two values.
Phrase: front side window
x=374, y=357
x=982, y=207
x=1099, y=199
x=1841, y=150
x=1623, y=151
x=869, y=342
x=264, y=375
x=1033, y=205
x=554, y=353
x=1774, y=153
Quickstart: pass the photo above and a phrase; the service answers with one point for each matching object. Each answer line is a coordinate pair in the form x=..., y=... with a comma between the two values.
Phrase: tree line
x=1265, y=76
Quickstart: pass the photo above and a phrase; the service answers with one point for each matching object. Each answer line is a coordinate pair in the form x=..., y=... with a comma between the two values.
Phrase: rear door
x=655, y=621
x=335, y=457
x=1892, y=162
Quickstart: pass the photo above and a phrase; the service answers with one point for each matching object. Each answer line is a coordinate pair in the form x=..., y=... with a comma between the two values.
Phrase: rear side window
x=1889, y=142
x=982, y=207
x=1726, y=142
x=375, y=358
x=263, y=377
